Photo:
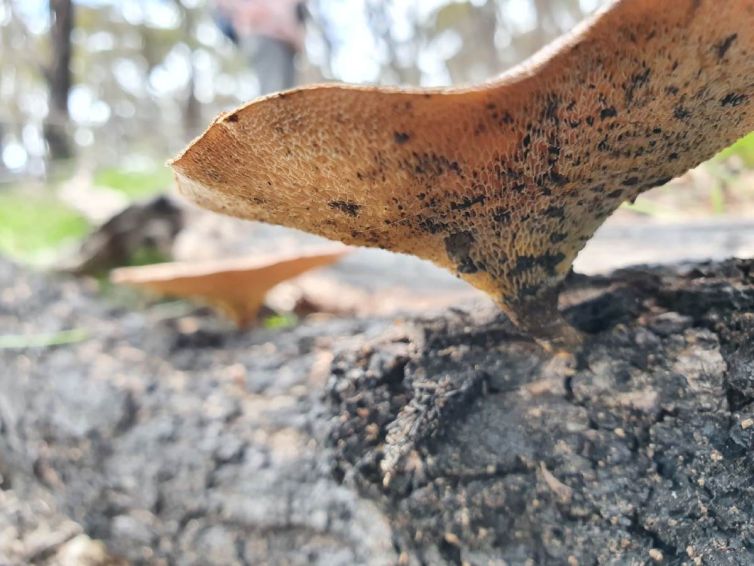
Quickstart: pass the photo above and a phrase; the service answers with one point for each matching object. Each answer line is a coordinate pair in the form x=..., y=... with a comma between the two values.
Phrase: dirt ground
x=156, y=438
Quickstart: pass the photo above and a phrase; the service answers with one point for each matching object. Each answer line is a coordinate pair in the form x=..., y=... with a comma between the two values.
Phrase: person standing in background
x=269, y=32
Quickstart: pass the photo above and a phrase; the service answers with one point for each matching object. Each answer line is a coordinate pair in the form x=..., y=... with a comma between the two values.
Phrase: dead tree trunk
x=59, y=79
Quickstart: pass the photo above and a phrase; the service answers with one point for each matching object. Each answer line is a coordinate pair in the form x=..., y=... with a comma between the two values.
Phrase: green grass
x=62, y=338
x=743, y=148
x=280, y=321
x=32, y=227
x=147, y=255
x=135, y=183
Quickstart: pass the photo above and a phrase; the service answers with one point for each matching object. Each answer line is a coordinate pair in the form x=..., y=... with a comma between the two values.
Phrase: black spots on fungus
x=401, y=137
x=614, y=194
x=501, y=118
x=671, y=90
x=346, y=207
x=590, y=120
x=458, y=246
x=501, y=216
x=555, y=212
x=547, y=261
x=681, y=113
x=368, y=236
x=432, y=165
x=637, y=81
x=232, y=118
x=551, y=109
x=610, y=112
x=659, y=182
x=673, y=156
x=525, y=263
x=631, y=182
x=724, y=45
x=467, y=202
x=733, y=99
x=557, y=237
x=432, y=226
x=557, y=178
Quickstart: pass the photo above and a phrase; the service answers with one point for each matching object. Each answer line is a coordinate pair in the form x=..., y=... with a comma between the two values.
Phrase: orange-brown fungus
x=505, y=182
x=236, y=287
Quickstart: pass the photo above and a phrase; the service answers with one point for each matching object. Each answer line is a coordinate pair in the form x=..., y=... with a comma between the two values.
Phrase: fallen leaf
x=236, y=287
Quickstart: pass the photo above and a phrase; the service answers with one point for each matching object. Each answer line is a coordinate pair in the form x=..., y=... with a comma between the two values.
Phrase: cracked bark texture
x=446, y=440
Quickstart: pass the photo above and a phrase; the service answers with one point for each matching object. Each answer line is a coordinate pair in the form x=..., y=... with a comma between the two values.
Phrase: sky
x=346, y=18
x=353, y=54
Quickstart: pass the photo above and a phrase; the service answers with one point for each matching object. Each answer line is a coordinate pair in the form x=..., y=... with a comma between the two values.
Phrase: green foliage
x=135, y=183
x=280, y=321
x=20, y=341
x=32, y=227
x=147, y=255
x=743, y=149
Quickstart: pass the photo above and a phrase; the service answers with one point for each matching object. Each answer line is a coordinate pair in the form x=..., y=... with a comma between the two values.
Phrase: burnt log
x=449, y=439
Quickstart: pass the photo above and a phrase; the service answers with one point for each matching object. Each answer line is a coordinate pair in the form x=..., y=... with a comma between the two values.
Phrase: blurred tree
x=58, y=75
x=192, y=115
x=161, y=66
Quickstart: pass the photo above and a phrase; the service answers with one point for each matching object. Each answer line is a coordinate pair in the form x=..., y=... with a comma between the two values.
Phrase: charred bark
x=446, y=440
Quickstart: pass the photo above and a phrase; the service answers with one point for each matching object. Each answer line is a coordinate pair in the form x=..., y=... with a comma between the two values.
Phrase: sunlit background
x=148, y=75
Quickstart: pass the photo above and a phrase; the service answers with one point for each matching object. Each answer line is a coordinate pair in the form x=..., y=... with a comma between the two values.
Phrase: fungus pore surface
x=502, y=183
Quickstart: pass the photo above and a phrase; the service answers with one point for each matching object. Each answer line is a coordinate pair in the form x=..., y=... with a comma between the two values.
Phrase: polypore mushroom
x=505, y=182
x=236, y=287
